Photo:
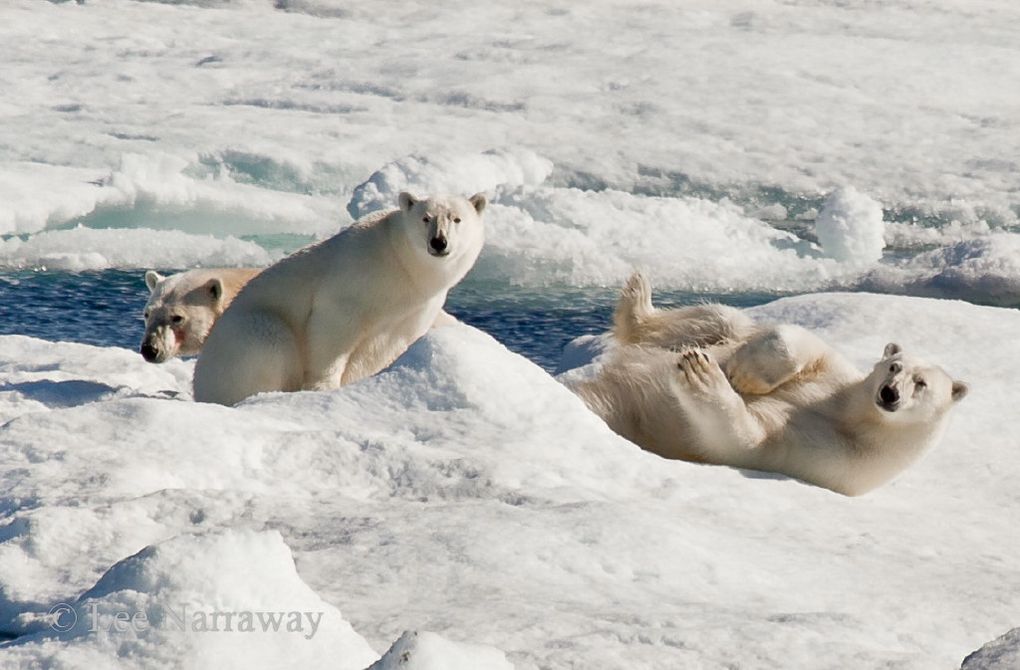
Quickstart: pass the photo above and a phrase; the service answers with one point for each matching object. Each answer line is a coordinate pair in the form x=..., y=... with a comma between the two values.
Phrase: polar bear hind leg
x=637, y=321
x=773, y=357
x=252, y=352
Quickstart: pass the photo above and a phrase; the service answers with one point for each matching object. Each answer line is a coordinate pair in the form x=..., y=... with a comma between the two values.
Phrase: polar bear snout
x=888, y=398
x=439, y=245
x=149, y=352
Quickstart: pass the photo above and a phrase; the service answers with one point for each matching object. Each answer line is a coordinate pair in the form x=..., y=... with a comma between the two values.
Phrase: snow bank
x=850, y=227
x=984, y=269
x=83, y=248
x=550, y=235
x=37, y=375
x=466, y=492
x=226, y=599
x=153, y=190
x=427, y=651
x=493, y=171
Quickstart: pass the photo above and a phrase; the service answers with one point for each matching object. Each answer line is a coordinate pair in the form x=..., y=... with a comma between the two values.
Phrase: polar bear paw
x=701, y=374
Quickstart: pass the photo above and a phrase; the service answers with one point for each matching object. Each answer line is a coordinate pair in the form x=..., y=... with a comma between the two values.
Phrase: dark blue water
x=104, y=308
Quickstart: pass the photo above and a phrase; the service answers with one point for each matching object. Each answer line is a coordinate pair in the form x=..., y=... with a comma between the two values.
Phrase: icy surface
x=91, y=249
x=466, y=492
x=211, y=118
x=988, y=267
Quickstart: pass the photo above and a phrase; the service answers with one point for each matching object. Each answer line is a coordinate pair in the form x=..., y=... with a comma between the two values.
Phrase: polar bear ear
x=891, y=349
x=214, y=287
x=152, y=278
x=478, y=201
x=960, y=390
x=407, y=201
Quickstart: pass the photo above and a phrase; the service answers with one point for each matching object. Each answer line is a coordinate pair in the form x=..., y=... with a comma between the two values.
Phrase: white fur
x=343, y=309
x=183, y=307
x=637, y=321
x=780, y=400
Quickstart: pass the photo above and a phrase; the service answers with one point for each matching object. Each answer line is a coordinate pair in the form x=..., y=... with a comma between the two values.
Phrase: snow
x=850, y=227
x=492, y=171
x=467, y=493
x=82, y=248
x=428, y=651
x=987, y=266
x=719, y=146
x=228, y=599
x=609, y=132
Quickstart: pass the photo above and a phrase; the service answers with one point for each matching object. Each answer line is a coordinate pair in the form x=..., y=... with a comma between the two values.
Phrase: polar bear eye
x=145, y=314
x=177, y=319
x=920, y=383
x=425, y=218
x=457, y=220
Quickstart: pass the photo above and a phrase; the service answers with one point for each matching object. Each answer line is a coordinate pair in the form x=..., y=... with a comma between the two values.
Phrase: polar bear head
x=445, y=228
x=181, y=310
x=907, y=389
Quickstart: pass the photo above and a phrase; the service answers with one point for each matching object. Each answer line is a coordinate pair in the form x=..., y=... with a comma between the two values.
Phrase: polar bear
x=779, y=400
x=343, y=309
x=183, y=307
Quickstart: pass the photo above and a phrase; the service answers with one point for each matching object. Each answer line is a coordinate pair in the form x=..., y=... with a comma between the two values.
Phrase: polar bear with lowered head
x=183, y=307
x=343, y=309
x=774, y=398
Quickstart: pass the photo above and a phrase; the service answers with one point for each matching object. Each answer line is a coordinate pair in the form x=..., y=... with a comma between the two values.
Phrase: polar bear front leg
x=331, y=339
x=773, y=357
x=715, y=410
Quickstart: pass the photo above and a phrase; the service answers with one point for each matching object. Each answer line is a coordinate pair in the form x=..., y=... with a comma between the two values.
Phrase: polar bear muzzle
x=889, y=398
x=439, y=245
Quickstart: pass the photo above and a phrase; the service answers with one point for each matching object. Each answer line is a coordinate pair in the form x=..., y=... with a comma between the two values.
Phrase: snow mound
x=548, y=235
x=229, y=598
x=985, y=269
x=459, y=174
x=83, y=248
x=850, y=227
x=154, y=190
x=37, y=375
x=421, y=650
x=465, y=491
x=1002, y=653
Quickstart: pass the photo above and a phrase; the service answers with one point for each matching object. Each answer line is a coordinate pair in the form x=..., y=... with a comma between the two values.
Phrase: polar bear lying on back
x=344, y=309
x=766, y=398
x=183, y=307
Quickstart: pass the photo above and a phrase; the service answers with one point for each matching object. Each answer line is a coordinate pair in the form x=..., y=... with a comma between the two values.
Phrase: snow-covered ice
x=467, y=493
x=238, y=120
x=463, y=506
x=987, y=266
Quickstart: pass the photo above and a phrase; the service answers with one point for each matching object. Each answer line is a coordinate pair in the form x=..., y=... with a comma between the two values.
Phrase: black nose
x=889, y=395
x=438, y=244
x=148, y=352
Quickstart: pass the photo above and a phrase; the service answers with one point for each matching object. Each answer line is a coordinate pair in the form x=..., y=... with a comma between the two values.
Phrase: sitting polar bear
x=767, y=398
x=183, y=307
x=345, y=308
